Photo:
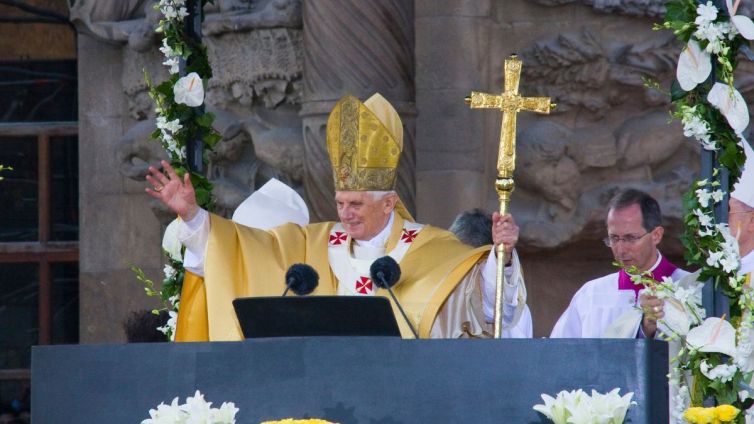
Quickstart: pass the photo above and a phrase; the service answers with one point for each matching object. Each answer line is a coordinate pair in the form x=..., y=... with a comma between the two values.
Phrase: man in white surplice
x=634, y=227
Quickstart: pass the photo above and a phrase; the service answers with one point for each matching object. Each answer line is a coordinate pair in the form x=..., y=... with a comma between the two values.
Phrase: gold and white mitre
x=364, y=142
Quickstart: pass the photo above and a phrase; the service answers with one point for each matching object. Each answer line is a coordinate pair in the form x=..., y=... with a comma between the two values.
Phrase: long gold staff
x=510, y=103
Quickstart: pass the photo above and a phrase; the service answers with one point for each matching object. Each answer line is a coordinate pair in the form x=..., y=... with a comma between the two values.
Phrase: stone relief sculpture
x=654, y=8
x=255, y=48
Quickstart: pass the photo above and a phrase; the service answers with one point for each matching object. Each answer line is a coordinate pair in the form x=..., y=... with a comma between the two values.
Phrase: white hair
x=379, y=195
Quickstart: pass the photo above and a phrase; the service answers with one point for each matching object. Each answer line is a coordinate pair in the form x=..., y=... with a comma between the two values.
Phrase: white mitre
x=272, y=205
x=743, y=190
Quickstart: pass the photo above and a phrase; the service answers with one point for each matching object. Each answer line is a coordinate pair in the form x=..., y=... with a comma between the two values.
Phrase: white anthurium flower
x=713, y=335
x=189, y=90
x=743, y=24
x=676, y=318
x=694, y=66
x=731, y=104
x=170, y=242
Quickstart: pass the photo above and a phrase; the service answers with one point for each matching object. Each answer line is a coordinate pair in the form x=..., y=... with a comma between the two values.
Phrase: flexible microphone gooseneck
x=301, y=278
x=385, y=272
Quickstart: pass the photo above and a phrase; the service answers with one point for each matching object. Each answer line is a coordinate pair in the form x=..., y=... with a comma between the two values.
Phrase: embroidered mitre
x=364, y=141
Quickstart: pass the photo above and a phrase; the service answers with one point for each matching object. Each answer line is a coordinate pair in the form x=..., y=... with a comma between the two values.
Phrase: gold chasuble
x=243, y=261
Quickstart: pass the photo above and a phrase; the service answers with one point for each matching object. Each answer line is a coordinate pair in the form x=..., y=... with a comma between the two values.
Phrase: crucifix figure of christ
x=510, y=102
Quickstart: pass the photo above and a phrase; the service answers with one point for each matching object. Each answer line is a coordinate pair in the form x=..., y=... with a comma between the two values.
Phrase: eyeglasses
x=630, y=239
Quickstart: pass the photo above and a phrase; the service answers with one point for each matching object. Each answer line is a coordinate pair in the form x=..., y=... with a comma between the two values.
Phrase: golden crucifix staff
x=510, y=103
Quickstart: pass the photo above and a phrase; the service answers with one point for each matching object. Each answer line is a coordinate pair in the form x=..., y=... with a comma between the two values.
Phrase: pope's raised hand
x=176, y=193
x=505, y=231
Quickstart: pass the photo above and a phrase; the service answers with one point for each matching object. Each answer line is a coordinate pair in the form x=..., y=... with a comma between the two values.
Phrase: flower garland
x=715, y=114
x=180, y=118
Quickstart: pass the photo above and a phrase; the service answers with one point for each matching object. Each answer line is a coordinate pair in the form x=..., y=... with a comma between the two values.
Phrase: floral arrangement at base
x=713, y=415
x=195, y=410
x=577, y=407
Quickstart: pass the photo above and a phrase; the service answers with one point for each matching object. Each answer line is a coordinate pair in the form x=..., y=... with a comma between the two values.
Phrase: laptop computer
x=315, y=316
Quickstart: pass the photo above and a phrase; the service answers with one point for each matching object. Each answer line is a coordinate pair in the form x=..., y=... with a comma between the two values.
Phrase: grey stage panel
x=347, y=380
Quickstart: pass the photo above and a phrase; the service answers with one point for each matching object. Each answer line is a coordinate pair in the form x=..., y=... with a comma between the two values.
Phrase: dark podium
x=346, y=379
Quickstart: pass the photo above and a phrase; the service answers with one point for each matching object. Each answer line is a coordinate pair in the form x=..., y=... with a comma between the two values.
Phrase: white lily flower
x=723, y=372
x=706, y=13
x=742, y=23
x=189, y=90
x=704, y=196
x=694, y=66
x=718, y=196
x=611, y=407
x=731, y=104
x=554, y=409
x=172, y=64
x=197, y=408
x=169, y=272
x=713, y=335
x=226, y=414
x=165, y=414
x=714, y=257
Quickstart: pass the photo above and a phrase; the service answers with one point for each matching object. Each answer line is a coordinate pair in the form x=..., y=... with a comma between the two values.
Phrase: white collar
x=747, y=263
x=659, y=259
x=380, y=240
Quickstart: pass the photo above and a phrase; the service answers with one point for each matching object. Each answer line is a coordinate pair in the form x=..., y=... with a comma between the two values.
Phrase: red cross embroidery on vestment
x=364, y=285
x=409, y=235
x=337, y=238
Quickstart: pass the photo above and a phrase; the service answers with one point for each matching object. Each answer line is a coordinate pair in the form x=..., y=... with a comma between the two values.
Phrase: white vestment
x=597, y=304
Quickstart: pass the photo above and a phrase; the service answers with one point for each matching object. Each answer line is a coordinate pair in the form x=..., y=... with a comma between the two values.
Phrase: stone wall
x=609, y=131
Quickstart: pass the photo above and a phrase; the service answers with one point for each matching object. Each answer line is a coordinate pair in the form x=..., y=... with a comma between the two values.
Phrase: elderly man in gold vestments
x=446, y=287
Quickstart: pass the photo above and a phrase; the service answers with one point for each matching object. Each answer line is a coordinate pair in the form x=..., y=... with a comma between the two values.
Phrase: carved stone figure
x=255, y=49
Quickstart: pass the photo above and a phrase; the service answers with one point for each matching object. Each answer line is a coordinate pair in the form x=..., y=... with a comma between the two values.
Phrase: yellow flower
x=726, y=413
x=699, y=415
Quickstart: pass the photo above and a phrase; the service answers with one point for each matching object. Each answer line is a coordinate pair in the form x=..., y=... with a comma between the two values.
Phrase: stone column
x=452, y=59
x=355, y=47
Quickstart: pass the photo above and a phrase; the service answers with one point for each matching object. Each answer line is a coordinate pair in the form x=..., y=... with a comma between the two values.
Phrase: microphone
x=385, y=272
x=301, y=278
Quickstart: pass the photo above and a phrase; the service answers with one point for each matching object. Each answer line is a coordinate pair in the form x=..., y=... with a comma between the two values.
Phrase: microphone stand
x=395, y=300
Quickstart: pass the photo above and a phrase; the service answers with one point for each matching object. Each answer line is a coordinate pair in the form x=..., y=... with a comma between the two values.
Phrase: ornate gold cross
x=510, y=103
